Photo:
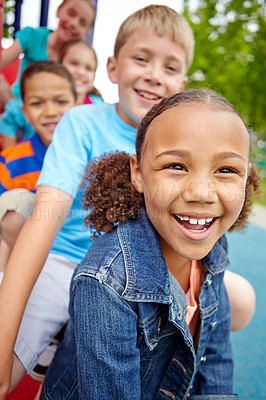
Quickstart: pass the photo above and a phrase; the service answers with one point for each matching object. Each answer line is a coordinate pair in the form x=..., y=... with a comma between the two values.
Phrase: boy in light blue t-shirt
x=150, y=62
x=147, y=67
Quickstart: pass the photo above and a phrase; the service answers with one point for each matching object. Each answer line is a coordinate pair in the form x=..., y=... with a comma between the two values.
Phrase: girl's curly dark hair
x=109, y=193
x=252, y=188
x=111, y=196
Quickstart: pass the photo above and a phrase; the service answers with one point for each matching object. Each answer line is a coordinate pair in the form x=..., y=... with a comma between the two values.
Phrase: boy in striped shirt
x=47, y=91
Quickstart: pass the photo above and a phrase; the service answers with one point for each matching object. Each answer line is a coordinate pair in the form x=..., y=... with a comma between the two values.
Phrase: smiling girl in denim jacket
x=149, y=313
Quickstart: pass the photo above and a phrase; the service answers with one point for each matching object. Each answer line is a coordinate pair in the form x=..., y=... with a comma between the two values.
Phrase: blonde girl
x=80, y=60
x=75, y=19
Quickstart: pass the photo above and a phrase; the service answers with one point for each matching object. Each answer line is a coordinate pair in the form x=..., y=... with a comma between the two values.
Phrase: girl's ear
x=58, y=11
x=112, y=69
x=136, y=176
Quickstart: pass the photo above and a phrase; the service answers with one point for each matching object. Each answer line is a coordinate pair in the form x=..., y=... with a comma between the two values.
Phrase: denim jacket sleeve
x=108, y=334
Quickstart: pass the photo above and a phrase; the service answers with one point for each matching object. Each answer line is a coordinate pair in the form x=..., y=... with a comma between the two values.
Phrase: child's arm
x=10, y=54
x=24, y=266
x=242, y=299
x=13, y=124
x=6, y=93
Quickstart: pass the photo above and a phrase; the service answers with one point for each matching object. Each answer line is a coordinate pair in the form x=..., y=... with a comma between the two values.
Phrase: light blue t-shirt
x=84, y=132
x=33, y=42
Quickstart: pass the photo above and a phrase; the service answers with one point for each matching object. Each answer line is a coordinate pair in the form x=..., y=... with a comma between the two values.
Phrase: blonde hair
x=164, y=21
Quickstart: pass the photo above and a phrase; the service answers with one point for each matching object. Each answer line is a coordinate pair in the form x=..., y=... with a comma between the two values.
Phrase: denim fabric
x=127, y=337
x=214, y=397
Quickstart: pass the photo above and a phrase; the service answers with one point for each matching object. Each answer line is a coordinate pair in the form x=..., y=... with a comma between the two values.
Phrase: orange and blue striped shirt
x=21, y=164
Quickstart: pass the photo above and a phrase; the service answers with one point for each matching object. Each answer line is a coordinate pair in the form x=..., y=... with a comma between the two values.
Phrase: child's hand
x=6, y=364
x=5, y=94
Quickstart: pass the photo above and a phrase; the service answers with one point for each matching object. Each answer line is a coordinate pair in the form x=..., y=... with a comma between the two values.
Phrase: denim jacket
x=131, y=341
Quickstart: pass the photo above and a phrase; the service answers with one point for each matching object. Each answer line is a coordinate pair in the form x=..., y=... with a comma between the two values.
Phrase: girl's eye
x=71, y=12
x=177, y=167
x=82, y=22
x=35, y=104
x=227, y=170
x=62, y=102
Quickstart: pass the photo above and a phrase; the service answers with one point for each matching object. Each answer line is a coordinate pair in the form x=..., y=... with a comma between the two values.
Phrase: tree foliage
x=8, y=16
x=230, y=54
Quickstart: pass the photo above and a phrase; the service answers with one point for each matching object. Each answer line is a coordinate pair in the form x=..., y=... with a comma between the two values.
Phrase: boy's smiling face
x=147, y=69
x=47, y=97
x=193, y=174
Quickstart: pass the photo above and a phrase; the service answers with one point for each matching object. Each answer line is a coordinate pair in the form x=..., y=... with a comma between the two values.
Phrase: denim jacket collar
x=135, y=234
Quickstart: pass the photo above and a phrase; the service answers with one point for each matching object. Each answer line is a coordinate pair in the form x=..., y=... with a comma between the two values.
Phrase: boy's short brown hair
x=52, y=67
x=164, y=21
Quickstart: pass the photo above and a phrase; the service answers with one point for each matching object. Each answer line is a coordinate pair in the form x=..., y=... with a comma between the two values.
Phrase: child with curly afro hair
x=149, y=313
x=112, y=198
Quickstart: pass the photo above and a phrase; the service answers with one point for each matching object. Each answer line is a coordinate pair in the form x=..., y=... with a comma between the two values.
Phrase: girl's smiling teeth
x=69, y=32
x=192, y=223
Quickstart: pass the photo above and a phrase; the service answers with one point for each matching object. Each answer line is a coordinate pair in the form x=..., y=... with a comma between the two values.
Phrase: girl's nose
x=81, y=70
x=73, y=23
x=200, y=191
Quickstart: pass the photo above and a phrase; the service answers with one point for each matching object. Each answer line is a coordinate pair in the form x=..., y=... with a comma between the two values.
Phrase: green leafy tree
x=8, y=18
x=230, y=54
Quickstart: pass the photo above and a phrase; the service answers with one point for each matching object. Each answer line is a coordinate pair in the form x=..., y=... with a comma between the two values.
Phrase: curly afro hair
x=252, y=188
x=109, y=192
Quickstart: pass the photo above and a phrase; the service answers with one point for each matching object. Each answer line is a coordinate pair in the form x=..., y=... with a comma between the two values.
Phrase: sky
x=110, y=15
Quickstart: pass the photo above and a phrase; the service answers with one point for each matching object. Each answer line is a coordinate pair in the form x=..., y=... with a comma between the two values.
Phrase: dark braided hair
x=111, y=196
